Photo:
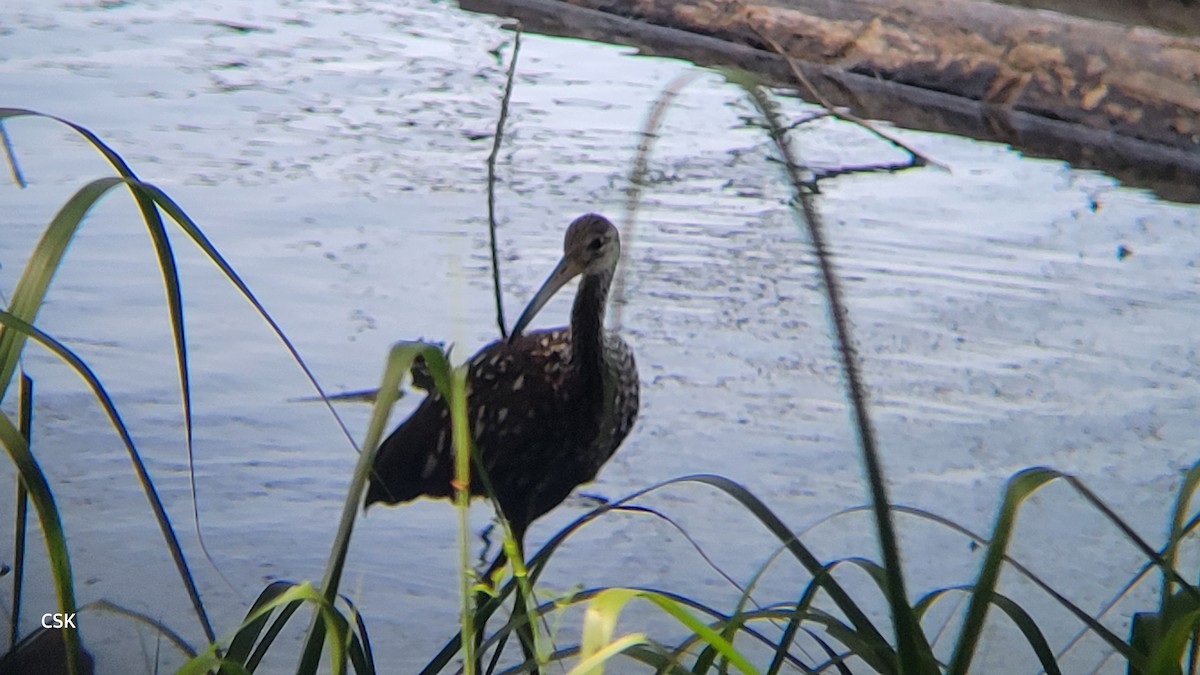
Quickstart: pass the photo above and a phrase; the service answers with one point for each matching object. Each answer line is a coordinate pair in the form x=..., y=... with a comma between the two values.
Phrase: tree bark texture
x=1134, y=81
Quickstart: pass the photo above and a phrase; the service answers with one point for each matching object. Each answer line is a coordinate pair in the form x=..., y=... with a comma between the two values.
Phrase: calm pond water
x=335, y=153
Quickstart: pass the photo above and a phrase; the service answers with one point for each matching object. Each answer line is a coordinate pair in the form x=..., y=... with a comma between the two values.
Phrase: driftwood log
x=1125, y=100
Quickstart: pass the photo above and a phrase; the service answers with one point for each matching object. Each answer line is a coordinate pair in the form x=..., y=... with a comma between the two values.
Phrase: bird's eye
x=595, y=245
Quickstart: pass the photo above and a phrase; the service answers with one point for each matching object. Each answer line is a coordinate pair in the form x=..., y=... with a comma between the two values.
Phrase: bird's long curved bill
x=564, y=272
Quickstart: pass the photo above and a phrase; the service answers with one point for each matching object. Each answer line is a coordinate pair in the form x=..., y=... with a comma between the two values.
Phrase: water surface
x=335, y=153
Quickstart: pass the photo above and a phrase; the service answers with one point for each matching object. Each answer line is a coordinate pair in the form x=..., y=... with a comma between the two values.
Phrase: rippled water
x=335, y=153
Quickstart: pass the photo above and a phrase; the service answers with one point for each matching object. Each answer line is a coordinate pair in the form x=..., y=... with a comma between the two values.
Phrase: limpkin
x=546, y=408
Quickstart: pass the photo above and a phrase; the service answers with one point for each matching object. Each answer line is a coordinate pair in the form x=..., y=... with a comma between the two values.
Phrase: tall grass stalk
x=21, y=511
x=27, y=299
x=638, y=173
x=31, y=476
x=35, y=482
x=845, y=634
x=497, y=141
x=17, y=322
x=461, y=437
x=913, y=650
x=399, y=362
x=58, y=235
x=149, y=199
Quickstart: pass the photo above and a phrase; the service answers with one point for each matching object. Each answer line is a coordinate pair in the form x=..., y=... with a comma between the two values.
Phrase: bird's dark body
x=536, y=417
x=546, y=410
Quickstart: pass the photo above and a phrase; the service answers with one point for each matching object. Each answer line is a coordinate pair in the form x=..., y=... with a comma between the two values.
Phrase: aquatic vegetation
x=826, y=624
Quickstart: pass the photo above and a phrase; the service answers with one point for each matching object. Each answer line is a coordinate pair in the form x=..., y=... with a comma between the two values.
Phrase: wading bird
x=547, y=409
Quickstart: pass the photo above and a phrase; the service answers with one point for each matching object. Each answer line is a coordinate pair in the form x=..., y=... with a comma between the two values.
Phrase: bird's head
x=591, y=246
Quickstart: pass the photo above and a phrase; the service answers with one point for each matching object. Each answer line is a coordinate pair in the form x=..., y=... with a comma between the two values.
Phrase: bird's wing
x=415, y=459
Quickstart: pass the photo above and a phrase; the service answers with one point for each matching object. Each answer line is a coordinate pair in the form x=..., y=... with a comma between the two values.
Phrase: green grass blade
x=637, y=181
x=600, y=619
x=338, y=630
x=29, y=296
x=593, y=663
x=44, y=261
x=460, y=436
x=835, y=660
x=361, y=656
x=1030, y=630
x=335, y=628
x=708, y=656
x=499, y=637
x=11, y=157
x=399, y=361
x=884, y=656
x=147, y=198
x=1168, y=651
x=358, y=656
x=653, y=655
x=863, y=645
x=797, y=615
x=1179, y=516
x=606, y=606
x=268, y=639
x=1146, y=549
x=22, y=520
x=293, y=594
x=15, y=326
x=146, y=620
x=782, y=648
x=910, y=645
x=717, y=617
x=879, y=575
x=1021, y=618
x=208, y=661
x=243, y=642
x=31, y=475
x=170, y=276
x=174, y=297
x=1091, y=624
x=35, y=281
x=861, y=624
x=113, y=158
x=198, y=237
x=735, y=626
x=1163, y=637
x=1020, y=487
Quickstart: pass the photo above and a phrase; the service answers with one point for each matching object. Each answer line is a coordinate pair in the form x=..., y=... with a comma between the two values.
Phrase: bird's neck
x=587, y=322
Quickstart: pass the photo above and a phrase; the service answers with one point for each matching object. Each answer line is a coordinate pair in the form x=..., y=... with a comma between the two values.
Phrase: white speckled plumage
x=547, y=408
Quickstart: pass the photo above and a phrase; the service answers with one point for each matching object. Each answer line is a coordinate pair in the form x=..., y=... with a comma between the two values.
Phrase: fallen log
x=1122, y=100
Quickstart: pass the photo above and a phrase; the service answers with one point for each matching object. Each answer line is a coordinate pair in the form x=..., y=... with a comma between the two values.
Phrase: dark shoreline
x=1173, y=16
